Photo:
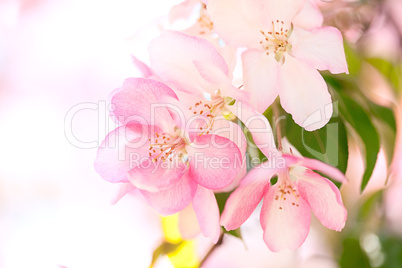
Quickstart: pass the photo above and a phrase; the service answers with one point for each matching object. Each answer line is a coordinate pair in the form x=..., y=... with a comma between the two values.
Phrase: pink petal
x=285, y=228
x=259, y=127
x=216, y=78
x=237, y=180
x=309, y=17
x=233, y=132
x=207, y=211
x=182, y=10
x=317, y=165
x=321, y=48
x=283, y=10
x=243, y=201
x=188, y=223
x=172, y=56
x=173, y=199
x=238, y=22
x=115, y=154
x=324, y=199
x=304, y=94
x=144, y=69
x=214, y=161
x=260, y=74
x=124, y=189
x=135, y=102
x=155, y=176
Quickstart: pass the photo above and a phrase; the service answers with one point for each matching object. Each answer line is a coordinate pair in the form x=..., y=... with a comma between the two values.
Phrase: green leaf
x=369, y=205
x=382, y=117
x=384, y=120
x=392, y=248
x=384, y=114
x=358, y=119
x=328, y=144
x=391, y=72
x=221, y=199
x=235, y=233
x=164, y=249
x=353, y=255
x=353, y=59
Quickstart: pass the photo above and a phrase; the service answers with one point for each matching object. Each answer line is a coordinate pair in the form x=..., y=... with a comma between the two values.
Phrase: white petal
x=260, y=74
x=322, y=48
x=304, y=94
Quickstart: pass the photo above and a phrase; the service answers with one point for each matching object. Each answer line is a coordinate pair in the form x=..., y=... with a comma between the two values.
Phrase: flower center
x=287, y=192
x=204, y=21
x=276, y=41
x=167, y=146
x=210, y=109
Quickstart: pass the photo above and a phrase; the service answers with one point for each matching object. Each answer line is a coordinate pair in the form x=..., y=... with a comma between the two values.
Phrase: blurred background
x=59, y=61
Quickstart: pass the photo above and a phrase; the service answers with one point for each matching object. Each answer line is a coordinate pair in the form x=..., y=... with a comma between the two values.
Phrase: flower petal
x=304, y=94
x=124, y=189
x=317, y=165
x=216, y=78
x=182, y=10
x=214, y=161
x=259, y=127
x=188, y=223
x=233, y=132
x=285, y=225
x=243, y=201
x=114, y=157
x=309, y=17
x=154, y=176
x=283, y=10
x=172, y=57
x=324, y=199
x=135, y=102
x=144, y=69
x=207, y=211
x=173, y=199
x=260, y=74
x=238, y=22
x=321, y=48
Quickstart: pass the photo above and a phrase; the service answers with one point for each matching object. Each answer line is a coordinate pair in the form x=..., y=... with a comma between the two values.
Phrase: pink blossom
x=202, y=27
x=281, y=57
x=195, y=68
x=285, y=213
x=170, y=167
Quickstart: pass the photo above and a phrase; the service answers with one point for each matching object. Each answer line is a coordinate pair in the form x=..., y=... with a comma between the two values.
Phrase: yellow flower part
x=170, y=228
x=185, y=255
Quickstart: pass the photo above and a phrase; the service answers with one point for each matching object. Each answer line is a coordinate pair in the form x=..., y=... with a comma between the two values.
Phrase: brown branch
x=214, y=247
x=277, y=126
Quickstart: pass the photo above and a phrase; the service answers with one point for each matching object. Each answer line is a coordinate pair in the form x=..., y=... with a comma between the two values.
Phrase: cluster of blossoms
x=180, y=141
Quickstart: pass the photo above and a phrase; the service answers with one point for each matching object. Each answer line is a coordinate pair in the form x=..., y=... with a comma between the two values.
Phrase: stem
x=214, y=247
x=277, y=126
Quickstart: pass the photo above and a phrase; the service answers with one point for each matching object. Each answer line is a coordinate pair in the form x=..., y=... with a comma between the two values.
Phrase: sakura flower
x=281, y=58
x=170, y=167
x=202, y=27
x=199, y=73
x=285, y=213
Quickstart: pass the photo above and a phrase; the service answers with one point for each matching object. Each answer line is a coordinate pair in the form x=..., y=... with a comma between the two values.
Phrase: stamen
x=166, y=150
x=276, y=41
x=287, y=187
x=210, y=109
